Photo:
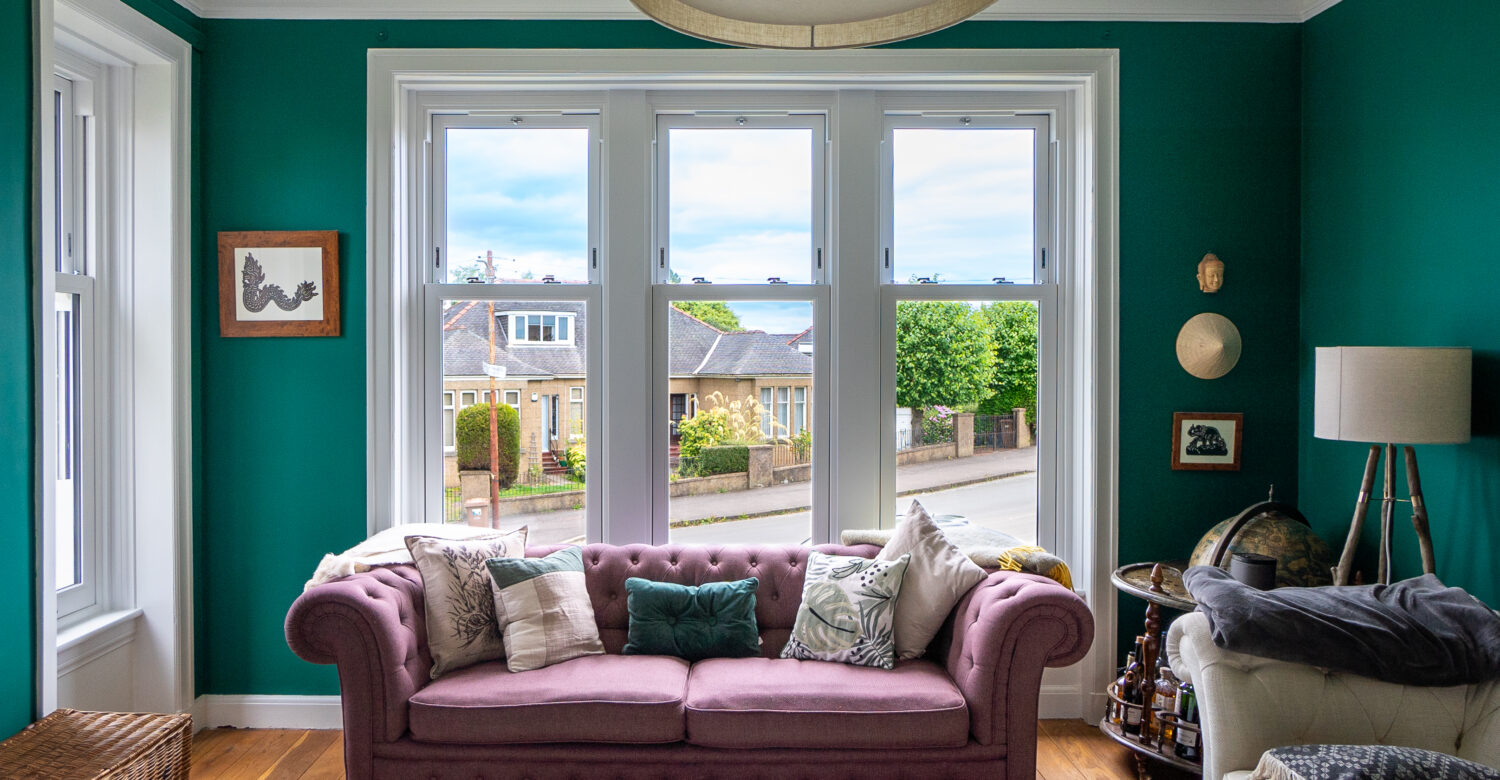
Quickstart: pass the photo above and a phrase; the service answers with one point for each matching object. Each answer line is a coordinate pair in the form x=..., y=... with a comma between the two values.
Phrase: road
x=1007, y=505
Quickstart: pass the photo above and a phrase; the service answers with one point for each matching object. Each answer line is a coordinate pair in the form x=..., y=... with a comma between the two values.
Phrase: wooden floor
x=1066, y=750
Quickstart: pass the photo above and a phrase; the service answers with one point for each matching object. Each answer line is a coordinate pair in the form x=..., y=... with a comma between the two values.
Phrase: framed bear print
x=279, y=283
x=1206, y=441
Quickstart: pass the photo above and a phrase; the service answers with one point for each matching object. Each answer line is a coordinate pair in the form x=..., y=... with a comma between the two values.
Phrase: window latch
x=774, y=280
x=701, y=280
x=925, y=280
x=1001, y=280
x=550, y=279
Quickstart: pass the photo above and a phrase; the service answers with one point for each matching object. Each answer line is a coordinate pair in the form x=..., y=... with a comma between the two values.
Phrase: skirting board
x=268, y=712
x=325, y=712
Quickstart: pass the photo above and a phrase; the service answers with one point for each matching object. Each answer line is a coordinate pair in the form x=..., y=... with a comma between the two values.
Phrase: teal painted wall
x=17, y=473
x=1209, y=149
x=1401, y=188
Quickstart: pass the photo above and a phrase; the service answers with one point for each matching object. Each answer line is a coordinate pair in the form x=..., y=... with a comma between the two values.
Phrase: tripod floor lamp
x=1385, y=395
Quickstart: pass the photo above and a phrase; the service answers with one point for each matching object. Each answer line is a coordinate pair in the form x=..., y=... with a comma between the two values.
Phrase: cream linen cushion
x=936, y=578
x=461, y=628
x=543, y=608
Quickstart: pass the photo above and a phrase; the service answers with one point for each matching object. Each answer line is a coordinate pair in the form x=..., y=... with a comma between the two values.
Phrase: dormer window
x=541, y=328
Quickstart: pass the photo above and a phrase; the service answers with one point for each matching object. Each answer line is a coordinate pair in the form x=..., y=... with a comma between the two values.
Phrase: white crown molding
x=1285, y=11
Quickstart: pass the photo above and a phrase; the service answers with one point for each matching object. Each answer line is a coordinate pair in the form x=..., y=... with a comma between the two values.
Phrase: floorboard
x=1066, y=750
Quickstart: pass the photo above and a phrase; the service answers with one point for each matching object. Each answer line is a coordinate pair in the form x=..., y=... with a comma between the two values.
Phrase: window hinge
x=820, y=258
x=662, y=255
x=437, y=257
x=595, y=252
x=70, y=245
x=887, y=257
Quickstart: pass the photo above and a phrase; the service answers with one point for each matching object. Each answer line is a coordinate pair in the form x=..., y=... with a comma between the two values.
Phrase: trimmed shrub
x=472, y=440
x=727, y=459
x=706, y=429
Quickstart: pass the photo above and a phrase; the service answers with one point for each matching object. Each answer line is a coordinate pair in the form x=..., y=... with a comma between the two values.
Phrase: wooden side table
x=75, y=745
x=1160, y=584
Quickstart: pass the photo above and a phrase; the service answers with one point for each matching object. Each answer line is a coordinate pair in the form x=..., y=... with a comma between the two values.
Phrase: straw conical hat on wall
x=1208, y=346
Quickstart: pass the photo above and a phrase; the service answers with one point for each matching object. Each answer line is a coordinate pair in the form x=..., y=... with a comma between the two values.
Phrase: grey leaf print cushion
x=847, y=611
x=1365, y=762
x=461, y=626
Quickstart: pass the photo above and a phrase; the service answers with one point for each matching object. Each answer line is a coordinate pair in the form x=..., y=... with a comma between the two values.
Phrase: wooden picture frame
x=1215, y=447
x=278, y=283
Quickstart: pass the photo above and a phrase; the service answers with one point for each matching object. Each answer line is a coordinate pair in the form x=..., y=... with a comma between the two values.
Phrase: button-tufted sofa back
x=778, y=567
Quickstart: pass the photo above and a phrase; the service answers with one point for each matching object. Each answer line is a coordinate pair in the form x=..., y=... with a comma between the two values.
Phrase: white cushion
x=936, y=578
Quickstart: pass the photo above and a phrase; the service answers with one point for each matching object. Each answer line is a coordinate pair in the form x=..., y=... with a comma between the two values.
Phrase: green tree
x=472, y=440
x=945, y=354
x=1013, y=327
x=715, y=313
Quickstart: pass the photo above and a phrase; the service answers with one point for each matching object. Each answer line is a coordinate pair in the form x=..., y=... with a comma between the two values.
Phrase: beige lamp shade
x=809, y=24
x=1395, y=395
x=1208, y=346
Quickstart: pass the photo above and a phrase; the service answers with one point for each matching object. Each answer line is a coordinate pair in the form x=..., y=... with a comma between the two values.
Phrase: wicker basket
x=100, y=746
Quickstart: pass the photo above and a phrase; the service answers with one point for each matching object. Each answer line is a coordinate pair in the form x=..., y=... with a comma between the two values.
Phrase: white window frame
x=516, y=404
x=975, y=117
x=910, y=112
x=578, y=404
x=518, y=336
x=80, y=88
x=512, y=114
x=141, y=259
x=822, y=526
x=752, y=115
x=799, y=410
x=856, y=90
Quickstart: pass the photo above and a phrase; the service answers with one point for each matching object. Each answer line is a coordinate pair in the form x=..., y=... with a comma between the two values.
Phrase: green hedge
x=724, y=459
x=472, y=434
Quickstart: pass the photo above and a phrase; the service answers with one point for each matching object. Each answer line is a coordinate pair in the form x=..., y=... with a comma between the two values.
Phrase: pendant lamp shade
x=1410, y=395
x=800, y=24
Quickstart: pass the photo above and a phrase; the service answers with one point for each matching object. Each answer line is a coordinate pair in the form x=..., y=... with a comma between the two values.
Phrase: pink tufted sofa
x=968, y=709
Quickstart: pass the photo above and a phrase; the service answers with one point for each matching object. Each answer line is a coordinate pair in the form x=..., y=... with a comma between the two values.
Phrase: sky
x=741, y=206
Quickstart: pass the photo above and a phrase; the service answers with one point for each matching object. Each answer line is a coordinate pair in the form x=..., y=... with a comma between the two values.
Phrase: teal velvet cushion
x=693, y=622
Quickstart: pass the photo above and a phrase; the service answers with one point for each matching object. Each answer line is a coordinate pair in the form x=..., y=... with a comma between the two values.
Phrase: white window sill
x=89, y=639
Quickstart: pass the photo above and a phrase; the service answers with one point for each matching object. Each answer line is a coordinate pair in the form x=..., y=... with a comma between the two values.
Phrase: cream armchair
x=1250, y=704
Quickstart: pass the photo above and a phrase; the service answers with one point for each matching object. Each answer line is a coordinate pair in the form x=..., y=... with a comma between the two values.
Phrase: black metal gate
x=994, y=431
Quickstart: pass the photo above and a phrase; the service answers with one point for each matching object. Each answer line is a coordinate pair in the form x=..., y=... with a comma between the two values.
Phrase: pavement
x=924, y=480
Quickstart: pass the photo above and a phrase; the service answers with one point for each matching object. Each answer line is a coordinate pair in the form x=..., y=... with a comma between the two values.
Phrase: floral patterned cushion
x=1365, y=762
x=461, y=627
x=848, y=611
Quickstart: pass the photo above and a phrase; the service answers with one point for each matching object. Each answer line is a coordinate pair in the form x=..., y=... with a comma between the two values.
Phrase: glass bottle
x=1131, y=695
x=1188, y=742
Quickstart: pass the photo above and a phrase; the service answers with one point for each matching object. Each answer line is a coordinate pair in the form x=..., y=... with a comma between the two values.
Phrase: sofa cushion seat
x=786, y=703
x=595, y=698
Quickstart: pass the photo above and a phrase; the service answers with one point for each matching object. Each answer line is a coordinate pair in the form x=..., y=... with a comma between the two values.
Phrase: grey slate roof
x=697, y=348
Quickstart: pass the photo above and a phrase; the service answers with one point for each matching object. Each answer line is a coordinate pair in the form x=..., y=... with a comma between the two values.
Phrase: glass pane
x=518, y=198
x=964, y=203
x=562, y=328
x=741, y=204
x=69, y=487
x=738, y=475
x=540, y=465
x=963, y=370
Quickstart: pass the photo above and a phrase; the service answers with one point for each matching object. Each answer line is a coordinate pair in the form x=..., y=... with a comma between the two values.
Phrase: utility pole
x=489, y=273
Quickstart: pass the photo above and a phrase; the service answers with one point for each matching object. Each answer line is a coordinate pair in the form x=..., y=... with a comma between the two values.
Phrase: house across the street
x=539, y=352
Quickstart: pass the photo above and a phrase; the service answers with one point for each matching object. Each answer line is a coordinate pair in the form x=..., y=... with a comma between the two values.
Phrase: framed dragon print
x=1206, y=441
x=279, y=283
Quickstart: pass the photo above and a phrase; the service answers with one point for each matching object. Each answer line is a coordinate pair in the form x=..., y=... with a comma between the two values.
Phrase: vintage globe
x=1303, y=559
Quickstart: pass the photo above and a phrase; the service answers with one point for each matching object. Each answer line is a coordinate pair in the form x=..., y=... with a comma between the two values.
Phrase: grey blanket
x=1413, y=632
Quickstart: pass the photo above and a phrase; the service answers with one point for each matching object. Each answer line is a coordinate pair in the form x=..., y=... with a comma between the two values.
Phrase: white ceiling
x=1050, y=10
